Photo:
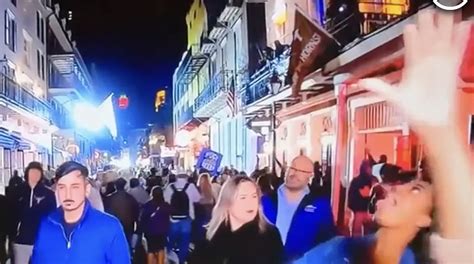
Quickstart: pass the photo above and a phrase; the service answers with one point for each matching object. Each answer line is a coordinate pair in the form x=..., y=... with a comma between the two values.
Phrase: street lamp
x=275, y=83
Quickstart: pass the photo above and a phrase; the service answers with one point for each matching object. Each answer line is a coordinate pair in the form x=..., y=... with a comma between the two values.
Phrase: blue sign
x=209, y=160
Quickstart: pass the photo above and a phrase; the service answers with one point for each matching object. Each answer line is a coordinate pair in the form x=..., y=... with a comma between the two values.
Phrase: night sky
x=135, y=47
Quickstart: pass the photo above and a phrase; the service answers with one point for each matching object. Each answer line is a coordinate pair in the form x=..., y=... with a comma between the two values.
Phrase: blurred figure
x=216, y=187
x=181, y=195
x=317, y=181
x=94, y=196
x=203, y=207
x=4, y=228
x=359, y=198
x=138, y=192
x=35, y=202
x=265, y=185
x=155, y=224
x=303, y=219
x=238, y=231
x=123, y=206
x=76, y=233
x=49, y=173
x=377, y=167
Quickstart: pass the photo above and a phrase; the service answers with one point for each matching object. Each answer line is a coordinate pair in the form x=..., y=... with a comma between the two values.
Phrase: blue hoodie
x=97, y=238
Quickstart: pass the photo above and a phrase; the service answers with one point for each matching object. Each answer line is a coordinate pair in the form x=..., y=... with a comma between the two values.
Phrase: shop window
x=7, y=165
x=20, y=155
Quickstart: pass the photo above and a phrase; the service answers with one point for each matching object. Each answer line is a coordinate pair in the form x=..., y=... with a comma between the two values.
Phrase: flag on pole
x=312, y=47
x=230, y=100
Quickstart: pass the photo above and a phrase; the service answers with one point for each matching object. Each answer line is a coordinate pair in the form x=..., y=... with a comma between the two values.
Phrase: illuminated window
x=10, y=30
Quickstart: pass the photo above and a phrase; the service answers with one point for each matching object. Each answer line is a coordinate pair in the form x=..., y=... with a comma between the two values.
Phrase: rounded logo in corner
x=447, y=7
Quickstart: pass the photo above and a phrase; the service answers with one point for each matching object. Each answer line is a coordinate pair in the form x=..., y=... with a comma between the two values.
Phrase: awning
x=6, y=140
x=20, y=143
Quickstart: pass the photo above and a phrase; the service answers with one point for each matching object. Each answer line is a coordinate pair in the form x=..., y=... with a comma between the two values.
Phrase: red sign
x=123, y=102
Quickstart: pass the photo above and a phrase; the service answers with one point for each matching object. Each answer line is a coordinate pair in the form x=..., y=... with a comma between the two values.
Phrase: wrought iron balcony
x=14, y=94
x=69, y=74
x=60, y=116
x=213, y=97
x=349, y=23
x=190, y=65
x=231, y=11
x=185, y=117
x=259, y=85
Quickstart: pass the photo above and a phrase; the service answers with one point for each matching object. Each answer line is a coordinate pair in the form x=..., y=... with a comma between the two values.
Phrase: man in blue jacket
x=304, y=219
x=76, y=232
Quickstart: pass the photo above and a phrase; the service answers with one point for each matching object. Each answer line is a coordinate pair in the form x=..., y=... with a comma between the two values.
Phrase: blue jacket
x=98, y=238
x=347, y=250
x=312, y=223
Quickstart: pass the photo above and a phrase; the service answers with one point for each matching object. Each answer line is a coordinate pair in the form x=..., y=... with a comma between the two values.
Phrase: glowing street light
x=182, y=138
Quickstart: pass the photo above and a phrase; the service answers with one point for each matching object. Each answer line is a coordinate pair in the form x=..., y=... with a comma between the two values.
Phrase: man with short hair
x=76, y=232
x=123, y=206
x=138, y=192
x=303, y=219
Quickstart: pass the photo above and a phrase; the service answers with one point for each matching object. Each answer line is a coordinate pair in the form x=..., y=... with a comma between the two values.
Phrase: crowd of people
x=264, y=218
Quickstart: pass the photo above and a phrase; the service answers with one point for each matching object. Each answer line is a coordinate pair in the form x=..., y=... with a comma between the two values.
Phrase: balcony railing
x=259, y=85
x=185, y=116
x=220, y=84
x=190, y=65
x=60, y=116
x=15, y=94
x=231, y=11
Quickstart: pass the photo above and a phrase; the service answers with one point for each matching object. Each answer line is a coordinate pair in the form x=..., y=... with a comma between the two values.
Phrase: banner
x=312, y=47
x=209, y=160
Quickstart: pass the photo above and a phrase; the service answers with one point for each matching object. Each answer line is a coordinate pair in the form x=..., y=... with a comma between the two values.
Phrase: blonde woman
x=238, y=232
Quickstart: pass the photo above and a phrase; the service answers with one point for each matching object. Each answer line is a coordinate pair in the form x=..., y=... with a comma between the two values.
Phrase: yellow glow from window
x=279, y=14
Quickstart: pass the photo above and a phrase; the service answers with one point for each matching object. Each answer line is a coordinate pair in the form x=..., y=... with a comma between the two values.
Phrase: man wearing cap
x=76, y=232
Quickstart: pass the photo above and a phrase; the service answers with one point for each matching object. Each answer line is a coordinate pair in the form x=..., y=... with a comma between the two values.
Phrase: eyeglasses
x=298, y=170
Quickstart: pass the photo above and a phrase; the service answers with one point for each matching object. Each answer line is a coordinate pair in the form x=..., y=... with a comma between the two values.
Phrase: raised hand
x=434, y=49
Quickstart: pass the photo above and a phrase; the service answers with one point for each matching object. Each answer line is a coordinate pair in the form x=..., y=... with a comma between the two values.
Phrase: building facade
x=25, y=124
x=69, y=84
x=221, y=58
x=333, y=121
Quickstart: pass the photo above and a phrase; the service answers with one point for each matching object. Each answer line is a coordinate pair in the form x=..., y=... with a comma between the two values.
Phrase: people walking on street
x=203, y=208
x=123, y=206
x=35, y=201
x=238, y=232
x=4, y=227
x=303, y=219
x=359, y=198
x=181, y=196
x=76, y=232
x=155, y=225
x=138, y=192
x=94, y=196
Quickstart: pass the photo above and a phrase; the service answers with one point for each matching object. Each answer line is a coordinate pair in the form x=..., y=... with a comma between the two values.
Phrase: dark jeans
x=180, y=237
